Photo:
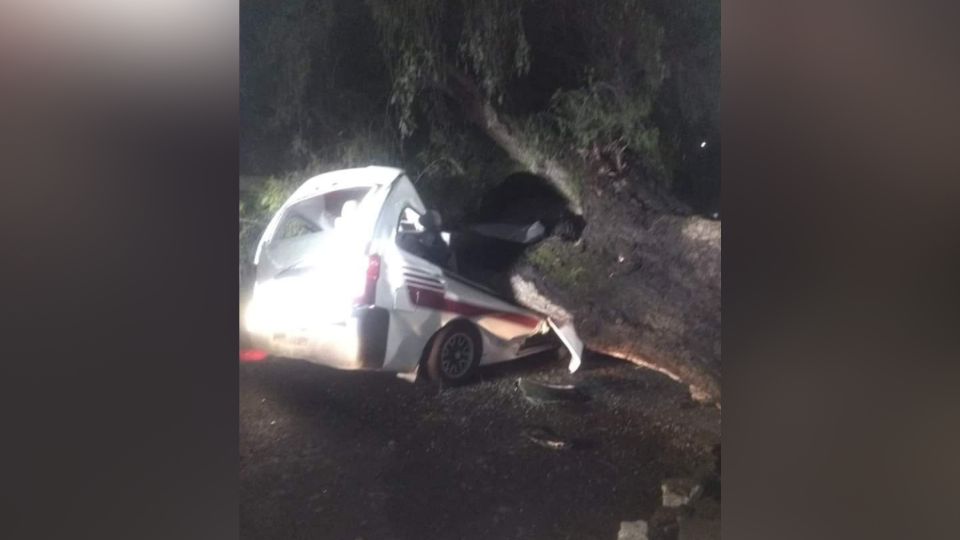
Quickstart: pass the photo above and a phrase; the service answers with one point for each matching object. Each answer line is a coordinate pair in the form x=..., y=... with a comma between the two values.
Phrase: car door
x=405, y=278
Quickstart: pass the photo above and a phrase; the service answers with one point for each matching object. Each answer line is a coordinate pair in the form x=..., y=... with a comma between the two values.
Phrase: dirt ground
x=332, y=454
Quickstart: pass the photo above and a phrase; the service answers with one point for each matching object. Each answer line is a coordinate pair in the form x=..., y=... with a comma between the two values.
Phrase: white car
x=354, y=273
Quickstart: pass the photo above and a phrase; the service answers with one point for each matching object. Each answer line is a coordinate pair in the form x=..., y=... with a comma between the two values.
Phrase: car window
x=338, y=203
x=320, y=213
x=409, y=221
x=294, y=226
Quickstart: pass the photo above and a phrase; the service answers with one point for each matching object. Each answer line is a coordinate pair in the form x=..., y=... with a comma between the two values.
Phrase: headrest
x=431, y=220
x=349, y=208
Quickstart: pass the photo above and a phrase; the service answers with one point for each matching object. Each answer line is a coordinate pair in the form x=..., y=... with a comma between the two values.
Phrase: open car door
x=402, y=274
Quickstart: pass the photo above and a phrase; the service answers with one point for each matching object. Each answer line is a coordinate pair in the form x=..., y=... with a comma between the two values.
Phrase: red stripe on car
x=433, y=299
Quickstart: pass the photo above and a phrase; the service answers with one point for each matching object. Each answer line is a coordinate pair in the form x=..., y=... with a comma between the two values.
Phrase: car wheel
x=455, y=354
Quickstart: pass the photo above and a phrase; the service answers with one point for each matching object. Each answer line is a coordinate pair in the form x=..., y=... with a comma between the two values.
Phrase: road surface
x=331, y=454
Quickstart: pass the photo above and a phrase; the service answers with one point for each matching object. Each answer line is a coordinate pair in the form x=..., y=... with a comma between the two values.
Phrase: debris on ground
x=538, y=392
x=680, y=491
x=632, y=530
x=547, y=438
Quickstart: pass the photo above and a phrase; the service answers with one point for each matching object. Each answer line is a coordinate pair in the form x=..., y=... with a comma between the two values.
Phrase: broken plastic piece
x=680, y=491
x=568, y=335
x=547, y=438
x=537, y=392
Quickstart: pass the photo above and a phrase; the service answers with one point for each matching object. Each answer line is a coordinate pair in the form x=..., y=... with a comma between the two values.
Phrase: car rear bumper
x=357, y=342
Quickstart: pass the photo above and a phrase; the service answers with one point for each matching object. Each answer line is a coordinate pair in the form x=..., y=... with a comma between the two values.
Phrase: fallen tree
x=641, y=283
x=568, y=92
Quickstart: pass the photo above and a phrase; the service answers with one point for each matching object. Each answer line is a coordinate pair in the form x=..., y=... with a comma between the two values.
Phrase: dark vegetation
x=588, y=115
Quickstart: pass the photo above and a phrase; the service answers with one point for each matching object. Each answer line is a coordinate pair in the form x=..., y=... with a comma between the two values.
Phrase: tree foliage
x=332, y=83
x=425, y=40
x=493, y=44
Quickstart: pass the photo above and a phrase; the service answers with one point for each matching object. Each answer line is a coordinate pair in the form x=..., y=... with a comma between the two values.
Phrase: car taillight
x=369, y=297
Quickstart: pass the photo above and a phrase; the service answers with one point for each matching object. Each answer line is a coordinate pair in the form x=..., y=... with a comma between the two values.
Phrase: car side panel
x=410, y=326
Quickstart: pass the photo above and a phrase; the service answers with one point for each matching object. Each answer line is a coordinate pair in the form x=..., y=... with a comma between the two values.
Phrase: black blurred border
x=119, y=212
x=841, y=192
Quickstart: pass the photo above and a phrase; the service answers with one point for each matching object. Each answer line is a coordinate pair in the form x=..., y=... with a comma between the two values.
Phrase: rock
x=632, y=530
x=679, y=491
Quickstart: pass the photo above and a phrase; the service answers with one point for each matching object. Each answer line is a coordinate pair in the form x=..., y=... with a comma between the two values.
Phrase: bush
x=257, y=205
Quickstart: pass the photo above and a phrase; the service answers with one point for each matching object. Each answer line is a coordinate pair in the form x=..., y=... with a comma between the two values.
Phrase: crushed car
x=355, y=272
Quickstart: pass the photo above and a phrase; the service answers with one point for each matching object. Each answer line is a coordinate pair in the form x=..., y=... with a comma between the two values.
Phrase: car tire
x=455, y=354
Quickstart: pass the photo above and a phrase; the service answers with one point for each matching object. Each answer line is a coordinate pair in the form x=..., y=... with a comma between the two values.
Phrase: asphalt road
x=330, y=454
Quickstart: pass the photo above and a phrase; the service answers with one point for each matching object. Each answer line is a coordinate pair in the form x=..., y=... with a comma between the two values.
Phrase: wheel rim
x=456, y=355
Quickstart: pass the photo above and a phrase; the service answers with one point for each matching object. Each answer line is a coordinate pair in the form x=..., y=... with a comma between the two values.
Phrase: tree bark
x=643, y=281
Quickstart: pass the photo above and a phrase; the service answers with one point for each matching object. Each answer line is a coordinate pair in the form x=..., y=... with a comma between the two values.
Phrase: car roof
x=372, y=176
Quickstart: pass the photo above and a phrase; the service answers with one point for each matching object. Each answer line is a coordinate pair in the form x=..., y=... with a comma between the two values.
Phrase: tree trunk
x=638, y=285
x=643, y=281
x=529, y=157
